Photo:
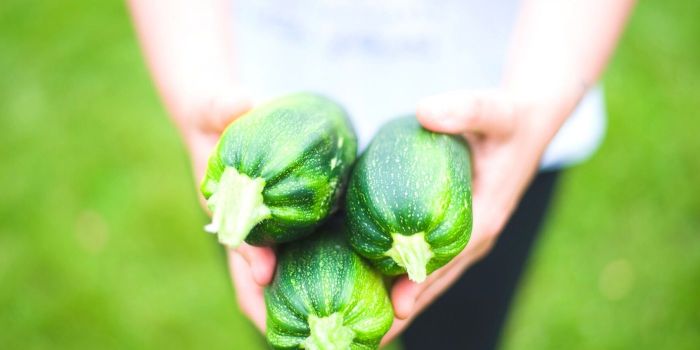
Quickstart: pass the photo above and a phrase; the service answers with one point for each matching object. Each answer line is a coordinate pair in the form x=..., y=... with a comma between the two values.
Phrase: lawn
x=101, y=242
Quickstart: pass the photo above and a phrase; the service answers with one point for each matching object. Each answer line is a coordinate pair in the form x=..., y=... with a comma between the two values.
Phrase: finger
x=396, y=328
x=249, y=294
x=408, y=297
x=405, y=293
x=449, y=274
x=403, y=296
x=261, y=261
x=221, y=110
x=467, y=111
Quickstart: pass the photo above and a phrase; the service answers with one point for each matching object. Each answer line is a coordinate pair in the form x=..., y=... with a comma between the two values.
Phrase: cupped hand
x=507, y=136
x=201, y=119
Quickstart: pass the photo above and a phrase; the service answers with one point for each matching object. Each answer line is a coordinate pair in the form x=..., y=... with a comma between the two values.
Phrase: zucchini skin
x=320, y=276
x=409, y=181
x=302, y=146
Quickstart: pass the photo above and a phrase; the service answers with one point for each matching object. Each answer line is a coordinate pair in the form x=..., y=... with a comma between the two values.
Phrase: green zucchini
x=278, y=171
x=409, y=199
x=326, y=297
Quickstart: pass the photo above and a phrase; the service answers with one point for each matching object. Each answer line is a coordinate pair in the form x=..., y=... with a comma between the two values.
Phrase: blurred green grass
x=101, y=241
x=619, y=266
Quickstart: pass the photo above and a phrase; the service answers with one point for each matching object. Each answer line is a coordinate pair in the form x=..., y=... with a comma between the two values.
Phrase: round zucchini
x=326, y=297
x=409, y=199
x=278, y=171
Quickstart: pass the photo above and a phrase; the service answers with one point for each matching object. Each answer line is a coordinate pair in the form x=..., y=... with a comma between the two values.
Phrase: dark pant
x=471, y=314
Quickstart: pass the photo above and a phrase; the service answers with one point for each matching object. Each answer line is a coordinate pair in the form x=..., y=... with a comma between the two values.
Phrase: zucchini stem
x=237, y=206
x=412, y=253
x=328, y=333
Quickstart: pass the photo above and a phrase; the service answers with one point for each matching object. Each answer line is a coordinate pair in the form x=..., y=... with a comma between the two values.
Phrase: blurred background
x=101, y=241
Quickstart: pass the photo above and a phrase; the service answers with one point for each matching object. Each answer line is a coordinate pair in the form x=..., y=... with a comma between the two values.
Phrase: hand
x=507, y=136
x=201, y=118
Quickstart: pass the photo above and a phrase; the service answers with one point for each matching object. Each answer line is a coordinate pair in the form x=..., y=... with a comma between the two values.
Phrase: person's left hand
x=507, y=135
x=202, y=115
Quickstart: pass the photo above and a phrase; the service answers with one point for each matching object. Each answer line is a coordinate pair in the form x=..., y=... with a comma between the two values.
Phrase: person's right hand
x=201, y=118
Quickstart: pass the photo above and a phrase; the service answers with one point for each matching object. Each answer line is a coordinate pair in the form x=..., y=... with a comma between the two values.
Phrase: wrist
x=543, y=109
x=554, y=98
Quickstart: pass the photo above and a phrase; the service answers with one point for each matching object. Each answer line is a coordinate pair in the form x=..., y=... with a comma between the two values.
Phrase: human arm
x=558, y=50
x=188, y=47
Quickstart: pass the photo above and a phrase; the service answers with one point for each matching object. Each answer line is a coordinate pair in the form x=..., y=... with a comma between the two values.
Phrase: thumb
x=261, y=261
x=456, y=112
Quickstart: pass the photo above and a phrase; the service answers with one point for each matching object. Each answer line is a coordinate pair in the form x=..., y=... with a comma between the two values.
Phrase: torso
x=378, y=58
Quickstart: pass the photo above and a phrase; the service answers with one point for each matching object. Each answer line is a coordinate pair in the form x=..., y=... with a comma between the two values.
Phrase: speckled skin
x=321, y=275
x=303, y=147
x=410, y=180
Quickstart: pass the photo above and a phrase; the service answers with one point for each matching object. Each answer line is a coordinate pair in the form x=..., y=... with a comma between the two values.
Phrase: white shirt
x=379, y=58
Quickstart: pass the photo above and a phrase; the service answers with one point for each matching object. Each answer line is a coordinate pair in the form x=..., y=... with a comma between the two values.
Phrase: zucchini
x=278, y=171
x=409, y=199
x=326, y=297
